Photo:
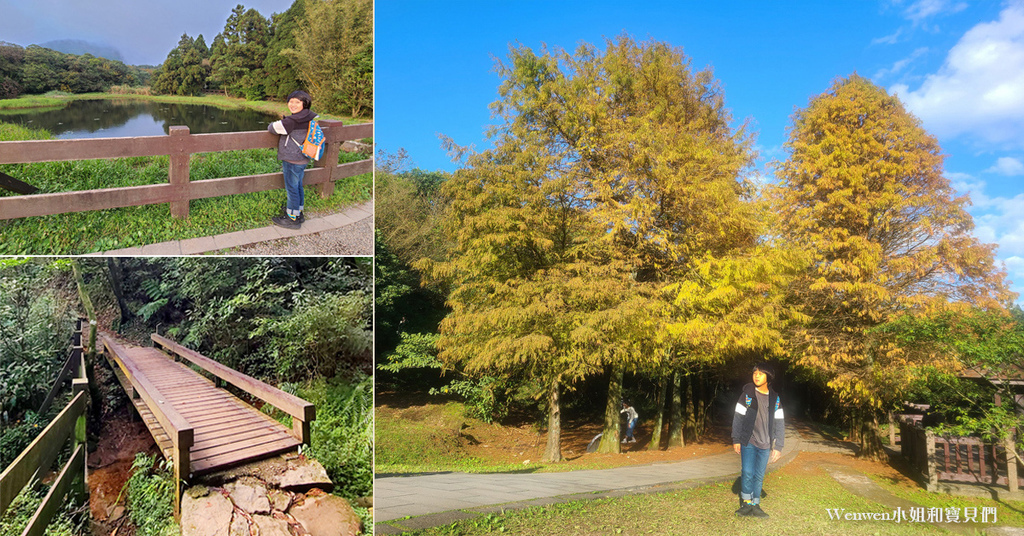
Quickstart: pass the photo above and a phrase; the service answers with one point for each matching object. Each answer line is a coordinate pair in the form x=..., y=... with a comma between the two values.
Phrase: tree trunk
x=702, y=406
x=675, y=423
x=655, y=443
x=115, y=277
x=553, y=450
x=691, y=423
x=870, y=441
x=612, y=429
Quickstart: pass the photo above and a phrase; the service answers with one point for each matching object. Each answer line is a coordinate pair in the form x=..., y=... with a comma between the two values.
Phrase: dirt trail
x=120, y=438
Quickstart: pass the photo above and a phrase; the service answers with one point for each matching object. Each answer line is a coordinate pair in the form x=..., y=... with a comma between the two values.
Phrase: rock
x=240, y=526
x=270, y=526
x=327, y=515
x=250, y=495
x=279, y=500
x=115, y=513
x=353, y=146
x=205, y=516
x=305, y=476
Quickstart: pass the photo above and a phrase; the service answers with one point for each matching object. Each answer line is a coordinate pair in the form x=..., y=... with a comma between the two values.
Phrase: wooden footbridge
x=198, y=425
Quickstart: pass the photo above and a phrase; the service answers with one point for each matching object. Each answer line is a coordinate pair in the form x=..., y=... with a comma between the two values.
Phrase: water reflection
x=127, y=118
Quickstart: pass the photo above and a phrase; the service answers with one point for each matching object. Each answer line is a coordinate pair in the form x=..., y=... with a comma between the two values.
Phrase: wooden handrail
x=46, y=446
x=286, y=402
x=178, y=190
x=176, y=425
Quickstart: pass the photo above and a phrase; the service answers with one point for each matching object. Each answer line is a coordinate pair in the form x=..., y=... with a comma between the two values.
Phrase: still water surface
x=127, y=118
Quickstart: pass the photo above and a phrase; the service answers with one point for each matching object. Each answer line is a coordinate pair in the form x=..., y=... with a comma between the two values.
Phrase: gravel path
x=353, y=240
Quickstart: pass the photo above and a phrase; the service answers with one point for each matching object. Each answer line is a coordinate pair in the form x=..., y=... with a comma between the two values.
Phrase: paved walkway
x=209, y=244
x=442, y=498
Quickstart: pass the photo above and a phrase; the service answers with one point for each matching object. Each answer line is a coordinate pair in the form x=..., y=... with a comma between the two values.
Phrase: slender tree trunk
x=553, y=451
x=115, y=277
x=612, y=429
x=702, y=405
x=675, y=423
x=691, y=422
x=655, y=443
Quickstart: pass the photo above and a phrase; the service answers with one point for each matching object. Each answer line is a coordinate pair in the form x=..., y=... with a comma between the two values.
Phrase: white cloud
x=890, y=39
x=979, y=90
x=900, y=65
x=923, y=9
x=1008, y=166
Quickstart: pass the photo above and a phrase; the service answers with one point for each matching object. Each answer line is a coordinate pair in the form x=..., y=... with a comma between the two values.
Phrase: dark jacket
x=292, y=130
x=746, y=414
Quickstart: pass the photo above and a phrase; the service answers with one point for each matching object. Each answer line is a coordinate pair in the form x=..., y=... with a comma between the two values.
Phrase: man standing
x=758, y=434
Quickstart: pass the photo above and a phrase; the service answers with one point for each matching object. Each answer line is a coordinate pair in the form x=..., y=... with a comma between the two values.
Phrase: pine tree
x=863, y=193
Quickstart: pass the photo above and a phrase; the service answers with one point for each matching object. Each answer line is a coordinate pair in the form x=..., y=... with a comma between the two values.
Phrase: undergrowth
x=24, y=506
x=150, y=496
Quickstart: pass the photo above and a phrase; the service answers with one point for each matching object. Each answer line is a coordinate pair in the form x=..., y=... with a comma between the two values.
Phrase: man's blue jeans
x=293, y=186
x=754, y=462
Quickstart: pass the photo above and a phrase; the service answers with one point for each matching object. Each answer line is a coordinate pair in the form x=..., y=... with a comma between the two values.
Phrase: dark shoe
x=286, y=222
x=745, y=510
x=301, y=219
x=756, y=511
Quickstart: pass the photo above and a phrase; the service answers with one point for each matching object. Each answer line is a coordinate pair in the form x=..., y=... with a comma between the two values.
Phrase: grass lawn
x=799, y=497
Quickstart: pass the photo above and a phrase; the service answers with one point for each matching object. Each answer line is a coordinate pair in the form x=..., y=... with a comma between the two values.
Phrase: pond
x=128, y=118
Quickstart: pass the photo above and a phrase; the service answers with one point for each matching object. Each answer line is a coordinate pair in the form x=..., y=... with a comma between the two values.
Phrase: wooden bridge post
x=183, y=441
x=178, y=175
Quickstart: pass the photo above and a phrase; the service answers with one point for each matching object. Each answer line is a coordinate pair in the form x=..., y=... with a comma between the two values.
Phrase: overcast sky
x=143, y=32
x=957, y=65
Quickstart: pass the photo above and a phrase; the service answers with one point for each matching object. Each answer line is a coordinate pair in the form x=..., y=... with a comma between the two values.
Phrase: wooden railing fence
x=179, y=145
x=35, y=461
x=958, y=459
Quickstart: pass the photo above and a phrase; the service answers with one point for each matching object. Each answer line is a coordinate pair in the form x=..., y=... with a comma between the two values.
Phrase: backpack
x=313, y=147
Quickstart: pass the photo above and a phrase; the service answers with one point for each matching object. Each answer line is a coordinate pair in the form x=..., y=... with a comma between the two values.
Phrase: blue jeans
x=629, y=430
x=293, y=186
x=754, y=462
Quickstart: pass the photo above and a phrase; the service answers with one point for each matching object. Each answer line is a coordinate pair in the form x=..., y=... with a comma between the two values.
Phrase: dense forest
x=610, y=245
x=324, y=47
x=36, y=70
x=302, y=324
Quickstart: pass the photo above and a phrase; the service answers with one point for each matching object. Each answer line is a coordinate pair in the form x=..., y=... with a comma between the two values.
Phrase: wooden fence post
x=931, y=472
x=179, y=172
x=182, y=465
x=330, y=161
x=81, y=385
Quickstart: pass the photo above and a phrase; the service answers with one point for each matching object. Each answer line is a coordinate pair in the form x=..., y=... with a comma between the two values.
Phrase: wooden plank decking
x=226, y=431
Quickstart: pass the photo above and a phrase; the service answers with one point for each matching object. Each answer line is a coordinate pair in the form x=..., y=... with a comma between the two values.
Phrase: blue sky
x=958, y=66
x=144, y=32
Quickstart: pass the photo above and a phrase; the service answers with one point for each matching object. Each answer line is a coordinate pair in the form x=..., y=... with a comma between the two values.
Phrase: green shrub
x=150, y=494
x=342, y=434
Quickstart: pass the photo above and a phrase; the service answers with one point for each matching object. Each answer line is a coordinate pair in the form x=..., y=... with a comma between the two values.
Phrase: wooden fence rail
x=179, y=145
x=36, y=460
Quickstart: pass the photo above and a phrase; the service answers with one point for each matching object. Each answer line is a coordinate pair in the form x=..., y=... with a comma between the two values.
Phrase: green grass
x=86, y=232
x=1010, y=512
x=24, y=506
x=797, y=505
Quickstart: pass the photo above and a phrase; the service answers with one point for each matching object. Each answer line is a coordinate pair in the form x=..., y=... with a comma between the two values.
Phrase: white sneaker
x=623, y=440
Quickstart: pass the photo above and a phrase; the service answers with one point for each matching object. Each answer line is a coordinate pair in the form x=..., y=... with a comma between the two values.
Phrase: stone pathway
x=354, y=216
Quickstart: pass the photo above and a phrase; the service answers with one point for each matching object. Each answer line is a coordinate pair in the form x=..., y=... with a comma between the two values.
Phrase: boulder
x=208, y=515
x=304, y=476
x=327, y=515
x=270, y=526
x=250, y=495
x=280, y=500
